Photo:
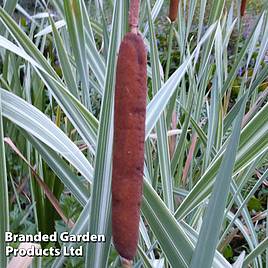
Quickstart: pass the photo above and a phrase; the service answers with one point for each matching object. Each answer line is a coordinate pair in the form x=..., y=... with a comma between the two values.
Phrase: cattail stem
x=126, y=263
x=133, y=18
x=243, y=7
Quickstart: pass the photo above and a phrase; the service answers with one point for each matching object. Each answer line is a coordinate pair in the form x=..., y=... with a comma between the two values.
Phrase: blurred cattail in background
x=243, y=7
x=173, y=9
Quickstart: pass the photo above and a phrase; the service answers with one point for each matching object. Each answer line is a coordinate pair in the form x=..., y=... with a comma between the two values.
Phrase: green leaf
x=158, y=104
x=253, y=143
x=61, y=169
x=171, y=237
x=9, y=6
x=85, y=123
x=256, y=252
x=35, y=122
x=4, y=204
x=219, y=261
x=80, y=227
x=161, y=126
x=100, y=223
x=211, y=226
x=64, y=61
x=75, y=25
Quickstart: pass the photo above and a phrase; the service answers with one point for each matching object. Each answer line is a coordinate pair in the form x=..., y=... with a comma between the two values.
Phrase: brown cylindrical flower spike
x=243, y=8
x=173, y=9
x=129, y=136
x=128, y=150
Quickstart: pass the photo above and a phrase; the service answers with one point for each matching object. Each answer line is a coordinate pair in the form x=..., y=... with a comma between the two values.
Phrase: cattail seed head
x=243, y=7
x=173, y=9
x=128, y=150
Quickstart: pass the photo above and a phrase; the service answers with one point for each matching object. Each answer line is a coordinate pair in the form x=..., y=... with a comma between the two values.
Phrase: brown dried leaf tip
x=243, y=8
x=173, y=9
x=128, y=150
